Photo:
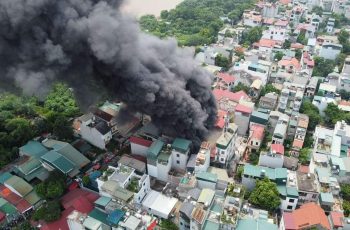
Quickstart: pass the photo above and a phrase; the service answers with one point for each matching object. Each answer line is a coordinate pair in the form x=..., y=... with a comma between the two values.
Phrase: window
x=257, y=143
x=252, y=143
x=291, y=200
x=177, y=162
x=289, y=207
x=144, y=183
x=178, y=155
x=314, y=196
x=222, y=159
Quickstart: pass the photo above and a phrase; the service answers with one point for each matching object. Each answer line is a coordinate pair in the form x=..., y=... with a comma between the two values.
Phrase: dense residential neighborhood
x=277, y=156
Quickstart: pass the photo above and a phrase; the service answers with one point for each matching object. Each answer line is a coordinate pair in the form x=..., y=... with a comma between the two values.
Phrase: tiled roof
x=226, y=77
x=298, y=143
x=307, y=215
x=225, y=94
x=243, y=109
x=181, y=144
x=297, y=46
x=69, y=198
x=220, y=122
x=140, y=141
x=257, y=132
x=337, y=218
x=277, y=148
x=293, y=61
x=267, y=43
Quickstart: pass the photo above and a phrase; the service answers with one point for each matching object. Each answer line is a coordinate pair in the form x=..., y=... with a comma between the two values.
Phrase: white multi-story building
x=275, y=33
x=96, y=132
x=225, y=145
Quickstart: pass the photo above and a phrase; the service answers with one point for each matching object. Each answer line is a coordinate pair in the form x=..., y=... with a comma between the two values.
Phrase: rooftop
x=33, y=149
x=154, y=150
x=206, y=196
x=306, y=182
x=308, y=215
x=181, y=144
x=260, y=172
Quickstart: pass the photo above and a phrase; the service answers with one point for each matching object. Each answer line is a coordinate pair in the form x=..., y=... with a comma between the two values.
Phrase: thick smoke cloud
x=89, y=44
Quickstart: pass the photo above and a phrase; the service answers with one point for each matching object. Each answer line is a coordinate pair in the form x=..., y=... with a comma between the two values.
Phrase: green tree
x=61, y=100
x=53, y=187
x=345, y=191
x=345, y=95
x=287, y=44
x=41, y=190
x=168, y=225
x=301, y=38
x=265, y=195
x=304, y=156
x=86, y=180
x=25, y=226
x=334, y=114
x=312, y=111
x=343, y=38
x=278, y=56
x=317, y=10
x=269, y=88
x=240, y=86
x=20, y=130
x=48, y=212
x=323, y=67
x=253, y=35
x=346, y=207
x=298, y=54
x=62, y=128
x=222, y=61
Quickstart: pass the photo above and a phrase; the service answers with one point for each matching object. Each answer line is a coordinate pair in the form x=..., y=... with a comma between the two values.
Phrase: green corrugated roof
x=4, y=177
x=256, y=224
x=282, y=190
x=59, y=161
x=326, y=197
x=181, y=145
x=32, y=198
x=155, y=148
x=98, y=215
x=103, y=201
x=292, y=192
x=34, y=149
x=207, y=176
x=20, y=185
x=209, y=225
x=261, y=172
x=8, y=208
x=107, y=106
x=29, y=166
x=68, y=151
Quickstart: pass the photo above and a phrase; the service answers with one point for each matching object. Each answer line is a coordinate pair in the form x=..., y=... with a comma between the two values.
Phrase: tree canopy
x=304, y=156
x=240, y=86
x=323, y=67
x=195, y=22
x=265, y=195
x=269, y=88
x=312, y=111
x=334, y=114
x=49, y=211
x=53, y=187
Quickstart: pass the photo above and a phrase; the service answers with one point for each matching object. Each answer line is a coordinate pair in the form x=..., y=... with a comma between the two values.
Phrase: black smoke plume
x=91, y=45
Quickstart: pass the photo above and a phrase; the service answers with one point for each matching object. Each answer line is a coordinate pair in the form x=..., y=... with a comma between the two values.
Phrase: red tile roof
x=2, y=216
x=83, y=205
x=243, y=109
x=140, y=141
x=226, y=77
x=286, y=62
x=282, y=23
x=225, y=94
x=298, y=143
x=277, y=148
x=70, y=198
x=337, y=218
x=297, y=46
x=304, y=169
x=267, y=43
x=220, y=123
x=308, y=215
x=21, y=204
x=257, y=132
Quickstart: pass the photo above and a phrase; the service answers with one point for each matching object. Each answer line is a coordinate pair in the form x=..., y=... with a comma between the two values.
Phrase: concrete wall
x=137, y=149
